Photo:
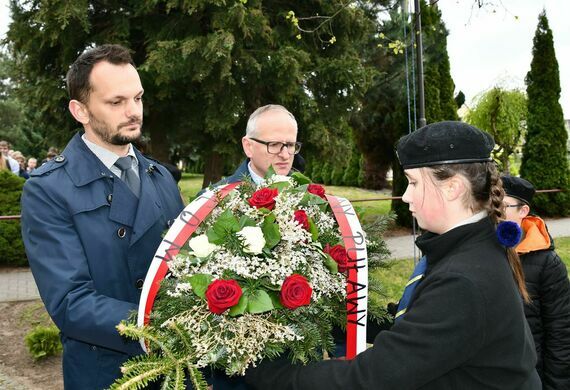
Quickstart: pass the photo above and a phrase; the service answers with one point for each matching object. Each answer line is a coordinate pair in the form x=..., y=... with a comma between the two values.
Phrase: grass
x=562, y=245
x=395, y=276
x=190, y=184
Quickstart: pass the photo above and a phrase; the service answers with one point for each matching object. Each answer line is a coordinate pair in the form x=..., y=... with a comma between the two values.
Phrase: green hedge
x=11, y=245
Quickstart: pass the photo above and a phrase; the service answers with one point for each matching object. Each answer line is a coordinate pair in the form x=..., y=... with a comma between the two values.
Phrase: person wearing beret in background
x=93, y=217
x=464, y=326
x=548, y=313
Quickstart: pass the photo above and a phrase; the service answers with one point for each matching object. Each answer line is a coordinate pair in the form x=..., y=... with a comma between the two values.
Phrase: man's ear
x=247, y=147
x=79, y=111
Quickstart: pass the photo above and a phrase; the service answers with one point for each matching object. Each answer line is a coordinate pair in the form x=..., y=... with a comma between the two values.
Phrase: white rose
x=200, y=246
x=253, y=239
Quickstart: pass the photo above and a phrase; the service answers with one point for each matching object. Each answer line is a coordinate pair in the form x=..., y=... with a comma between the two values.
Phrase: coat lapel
x=124, y=204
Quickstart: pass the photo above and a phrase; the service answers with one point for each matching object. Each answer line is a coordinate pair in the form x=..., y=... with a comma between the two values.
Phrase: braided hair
x=486, y=194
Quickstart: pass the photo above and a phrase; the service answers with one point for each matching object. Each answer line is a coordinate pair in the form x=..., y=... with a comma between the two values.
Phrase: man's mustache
x=137, y=121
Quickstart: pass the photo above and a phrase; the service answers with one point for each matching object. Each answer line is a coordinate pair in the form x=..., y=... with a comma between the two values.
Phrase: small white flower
x=200, y=246
x=253, y=239
x=279, y=178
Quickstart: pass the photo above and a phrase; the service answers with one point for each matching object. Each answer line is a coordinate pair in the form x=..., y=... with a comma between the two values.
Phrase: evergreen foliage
x=316, y=173
x=43, y=341
x=16, y=127
x=205, y=67
x=350, y=177
x=326, y=173
x=545, y=161
x=439, y=86
x=13, y=252
x=382, y=117
x=337, y=174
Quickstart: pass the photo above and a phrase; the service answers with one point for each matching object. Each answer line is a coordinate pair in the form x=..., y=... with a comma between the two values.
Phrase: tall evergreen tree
x=439, y=86
x=545, y=161
x=381, y=119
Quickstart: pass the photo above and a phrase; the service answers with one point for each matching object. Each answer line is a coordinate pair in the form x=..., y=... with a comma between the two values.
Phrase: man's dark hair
x=78, y=74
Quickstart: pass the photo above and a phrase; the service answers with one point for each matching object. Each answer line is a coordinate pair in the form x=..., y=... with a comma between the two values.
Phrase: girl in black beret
x=463, y=326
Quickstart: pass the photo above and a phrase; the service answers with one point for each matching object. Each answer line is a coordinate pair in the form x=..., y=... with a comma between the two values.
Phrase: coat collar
x=84, y=167
x=437, y=246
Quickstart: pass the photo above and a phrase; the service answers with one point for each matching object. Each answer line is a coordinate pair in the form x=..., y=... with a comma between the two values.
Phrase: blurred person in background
x=32, y=164
x=19, y=157
x=12, y=164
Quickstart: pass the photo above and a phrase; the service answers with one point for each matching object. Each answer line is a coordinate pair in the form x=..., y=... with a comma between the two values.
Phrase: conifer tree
x=544, y=161
x=439, y=86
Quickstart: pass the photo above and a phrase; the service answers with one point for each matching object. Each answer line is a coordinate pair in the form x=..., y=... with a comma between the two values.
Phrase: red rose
x=316, y=189
x=295, y=291
x=264, y=197
x=301, y=217
x=222, y=294
x=338, y=253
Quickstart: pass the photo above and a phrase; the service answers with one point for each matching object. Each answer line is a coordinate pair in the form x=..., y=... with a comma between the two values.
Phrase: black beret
x=448, y=142
x=518, y=188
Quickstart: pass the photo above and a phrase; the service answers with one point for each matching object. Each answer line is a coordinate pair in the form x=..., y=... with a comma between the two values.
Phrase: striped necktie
x=415, y=279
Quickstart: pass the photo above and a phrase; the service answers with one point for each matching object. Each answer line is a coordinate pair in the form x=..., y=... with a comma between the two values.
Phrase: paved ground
x=17, y=285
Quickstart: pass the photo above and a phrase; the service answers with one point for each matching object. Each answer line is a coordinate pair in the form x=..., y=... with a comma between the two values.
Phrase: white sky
x=487, y=48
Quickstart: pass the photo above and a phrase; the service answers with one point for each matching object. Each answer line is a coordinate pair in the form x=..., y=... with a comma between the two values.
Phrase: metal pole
x=420, y=66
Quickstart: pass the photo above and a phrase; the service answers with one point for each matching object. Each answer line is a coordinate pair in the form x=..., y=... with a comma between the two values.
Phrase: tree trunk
x=375, y=172
x=160, y=149
x=213, y=168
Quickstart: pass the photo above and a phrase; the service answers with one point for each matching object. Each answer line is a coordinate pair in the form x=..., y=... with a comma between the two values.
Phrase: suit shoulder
x=49, y=166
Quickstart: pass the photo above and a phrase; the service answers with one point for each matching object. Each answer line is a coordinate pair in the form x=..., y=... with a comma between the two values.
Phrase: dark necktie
x=415, y=279
x=128, y=174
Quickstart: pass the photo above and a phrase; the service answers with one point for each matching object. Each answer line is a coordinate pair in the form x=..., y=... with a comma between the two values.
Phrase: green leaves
x=255, y=301
x=300, y=178
x=280, y=185
x=270, y=172
x=259, y=302
x=270, y=231
x=226, y=224
x=240, y=307
x=330, y=264
x=199, y=283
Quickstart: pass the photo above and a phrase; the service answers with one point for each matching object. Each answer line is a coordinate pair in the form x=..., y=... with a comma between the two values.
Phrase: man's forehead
x=110, y=80
x=276, y=123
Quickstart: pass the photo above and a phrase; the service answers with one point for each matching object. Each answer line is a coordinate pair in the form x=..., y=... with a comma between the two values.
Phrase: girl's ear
x=524, y=211
x=454, y=188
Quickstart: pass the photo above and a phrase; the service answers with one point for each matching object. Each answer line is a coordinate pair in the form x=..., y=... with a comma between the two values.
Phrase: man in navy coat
x=91, y=227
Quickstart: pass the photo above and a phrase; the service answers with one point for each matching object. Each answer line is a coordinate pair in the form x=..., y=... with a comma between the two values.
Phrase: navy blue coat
x=89, y=243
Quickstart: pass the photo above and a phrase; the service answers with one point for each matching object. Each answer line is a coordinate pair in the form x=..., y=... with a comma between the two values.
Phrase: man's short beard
x=116, y=138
